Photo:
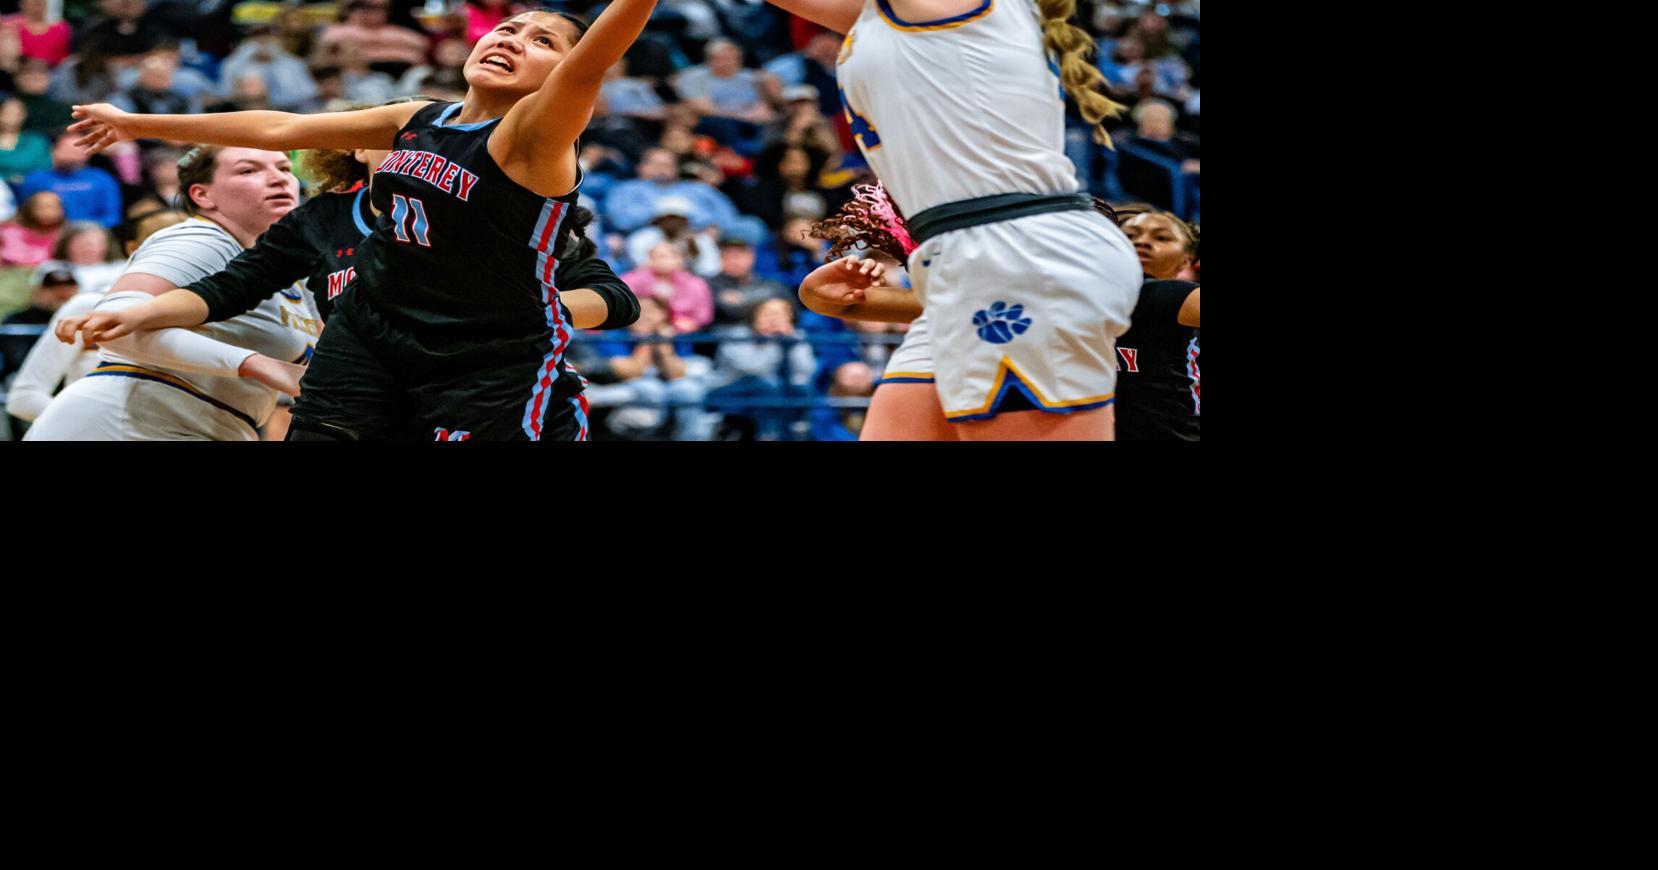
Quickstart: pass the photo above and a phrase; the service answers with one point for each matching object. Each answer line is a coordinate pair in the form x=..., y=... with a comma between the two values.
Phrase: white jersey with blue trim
x=284, y=327
x=958, y=108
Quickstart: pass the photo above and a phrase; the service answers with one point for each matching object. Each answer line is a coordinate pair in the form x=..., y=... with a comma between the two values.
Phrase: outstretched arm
x=847, y=289
x=533, y=145
x=102, y=125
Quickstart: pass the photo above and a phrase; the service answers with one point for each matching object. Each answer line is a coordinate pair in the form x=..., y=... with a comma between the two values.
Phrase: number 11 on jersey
x=401, y=209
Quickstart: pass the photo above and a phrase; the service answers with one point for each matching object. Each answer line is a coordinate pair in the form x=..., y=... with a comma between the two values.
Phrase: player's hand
x=844, y=281
x=101, y=125
x=280, y=376
x=99, y=326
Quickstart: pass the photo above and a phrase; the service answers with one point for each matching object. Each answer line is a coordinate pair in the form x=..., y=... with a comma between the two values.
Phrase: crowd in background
x=716, y=145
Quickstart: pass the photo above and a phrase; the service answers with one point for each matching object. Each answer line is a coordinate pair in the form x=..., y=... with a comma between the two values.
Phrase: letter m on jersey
x=441, y=434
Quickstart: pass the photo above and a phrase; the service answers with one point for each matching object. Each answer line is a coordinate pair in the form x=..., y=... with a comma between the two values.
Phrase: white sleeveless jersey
x=283, y=327
x=959, y=108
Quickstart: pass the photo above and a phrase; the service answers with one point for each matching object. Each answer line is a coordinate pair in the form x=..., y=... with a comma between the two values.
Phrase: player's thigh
x=906, y=412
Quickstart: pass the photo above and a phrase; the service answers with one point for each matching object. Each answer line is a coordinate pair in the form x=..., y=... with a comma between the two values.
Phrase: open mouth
x=279, y=198
x=499, y=61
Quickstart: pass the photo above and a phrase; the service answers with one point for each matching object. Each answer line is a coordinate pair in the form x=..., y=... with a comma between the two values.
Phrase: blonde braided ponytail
x=1075, y=48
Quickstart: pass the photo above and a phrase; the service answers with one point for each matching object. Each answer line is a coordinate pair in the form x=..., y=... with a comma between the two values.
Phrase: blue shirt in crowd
x=88, y=193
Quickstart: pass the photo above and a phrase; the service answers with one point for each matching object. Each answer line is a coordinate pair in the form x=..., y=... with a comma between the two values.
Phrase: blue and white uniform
x=182, y=385
x=969, y=107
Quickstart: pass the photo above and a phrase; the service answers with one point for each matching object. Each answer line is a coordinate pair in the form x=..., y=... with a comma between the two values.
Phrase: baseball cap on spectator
x=54, y=272
x=800, y=92
x=673, y=205
x=730, y=240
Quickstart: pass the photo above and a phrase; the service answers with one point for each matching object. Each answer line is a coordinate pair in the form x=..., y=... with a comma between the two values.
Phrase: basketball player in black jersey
x=317, y=243
x=455, y=326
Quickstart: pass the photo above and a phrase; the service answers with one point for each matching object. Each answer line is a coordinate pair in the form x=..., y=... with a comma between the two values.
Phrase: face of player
x=519, y=54
x=253, y=188
x=1160, y=245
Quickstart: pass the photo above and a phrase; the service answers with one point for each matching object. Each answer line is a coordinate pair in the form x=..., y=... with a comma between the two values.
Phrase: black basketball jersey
x=460, y=252
x=317, y=241
x=1158, y=395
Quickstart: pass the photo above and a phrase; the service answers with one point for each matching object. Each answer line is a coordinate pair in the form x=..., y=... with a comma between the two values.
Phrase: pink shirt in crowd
x=51, y=46
x=21, y=246
x=691, y=305
x=480, y=21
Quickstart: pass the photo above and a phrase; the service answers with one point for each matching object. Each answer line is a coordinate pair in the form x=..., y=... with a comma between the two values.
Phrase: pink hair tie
x=874, y=201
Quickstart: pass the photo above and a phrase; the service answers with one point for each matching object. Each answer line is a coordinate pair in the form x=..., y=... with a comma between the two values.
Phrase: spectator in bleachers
x=187, y=83
x=737, y=290
x=632, y=204
x=803, y=122
x=36, y=37
x=440, y=78
x=1156, y=132
x=286, y=78
x=663, y=276
x=850, y=380
x=153, y=91
x=90, y=251
x=386, y=47
x=128, y=29
x=649, y=382
x=784, y=183
x=731, y=99
x=52, y=286
x=672, y=224
x=763, y=370
x=812, y=66
x=359, y=82
x=794, y=255
x=44, y=113
x=247, y=93
x=88, y=193
x=161, y=177
x=29, y=237
x=629, y=97
x=21, y=152
x=85, y=77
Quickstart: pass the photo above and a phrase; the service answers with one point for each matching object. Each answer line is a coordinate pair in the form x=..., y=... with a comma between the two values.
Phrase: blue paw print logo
x=1001, y=323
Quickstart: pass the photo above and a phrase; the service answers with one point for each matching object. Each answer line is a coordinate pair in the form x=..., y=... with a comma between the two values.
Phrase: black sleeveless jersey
x=316, y=242
x=1158, y=374
x=461, y=253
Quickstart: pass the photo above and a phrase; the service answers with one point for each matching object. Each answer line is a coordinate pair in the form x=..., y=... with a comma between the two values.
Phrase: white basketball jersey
x=955, y=109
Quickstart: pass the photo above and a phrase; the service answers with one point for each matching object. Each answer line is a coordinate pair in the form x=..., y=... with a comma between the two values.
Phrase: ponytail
x=1074, y=48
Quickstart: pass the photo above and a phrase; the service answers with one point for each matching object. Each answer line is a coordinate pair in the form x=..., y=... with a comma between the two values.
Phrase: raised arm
x=102, y=125
x=533, y=145
x=837, y=15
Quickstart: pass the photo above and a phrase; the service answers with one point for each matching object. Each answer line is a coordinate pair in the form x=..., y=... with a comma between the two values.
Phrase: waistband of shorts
x=991, y=209
x=126, y=370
